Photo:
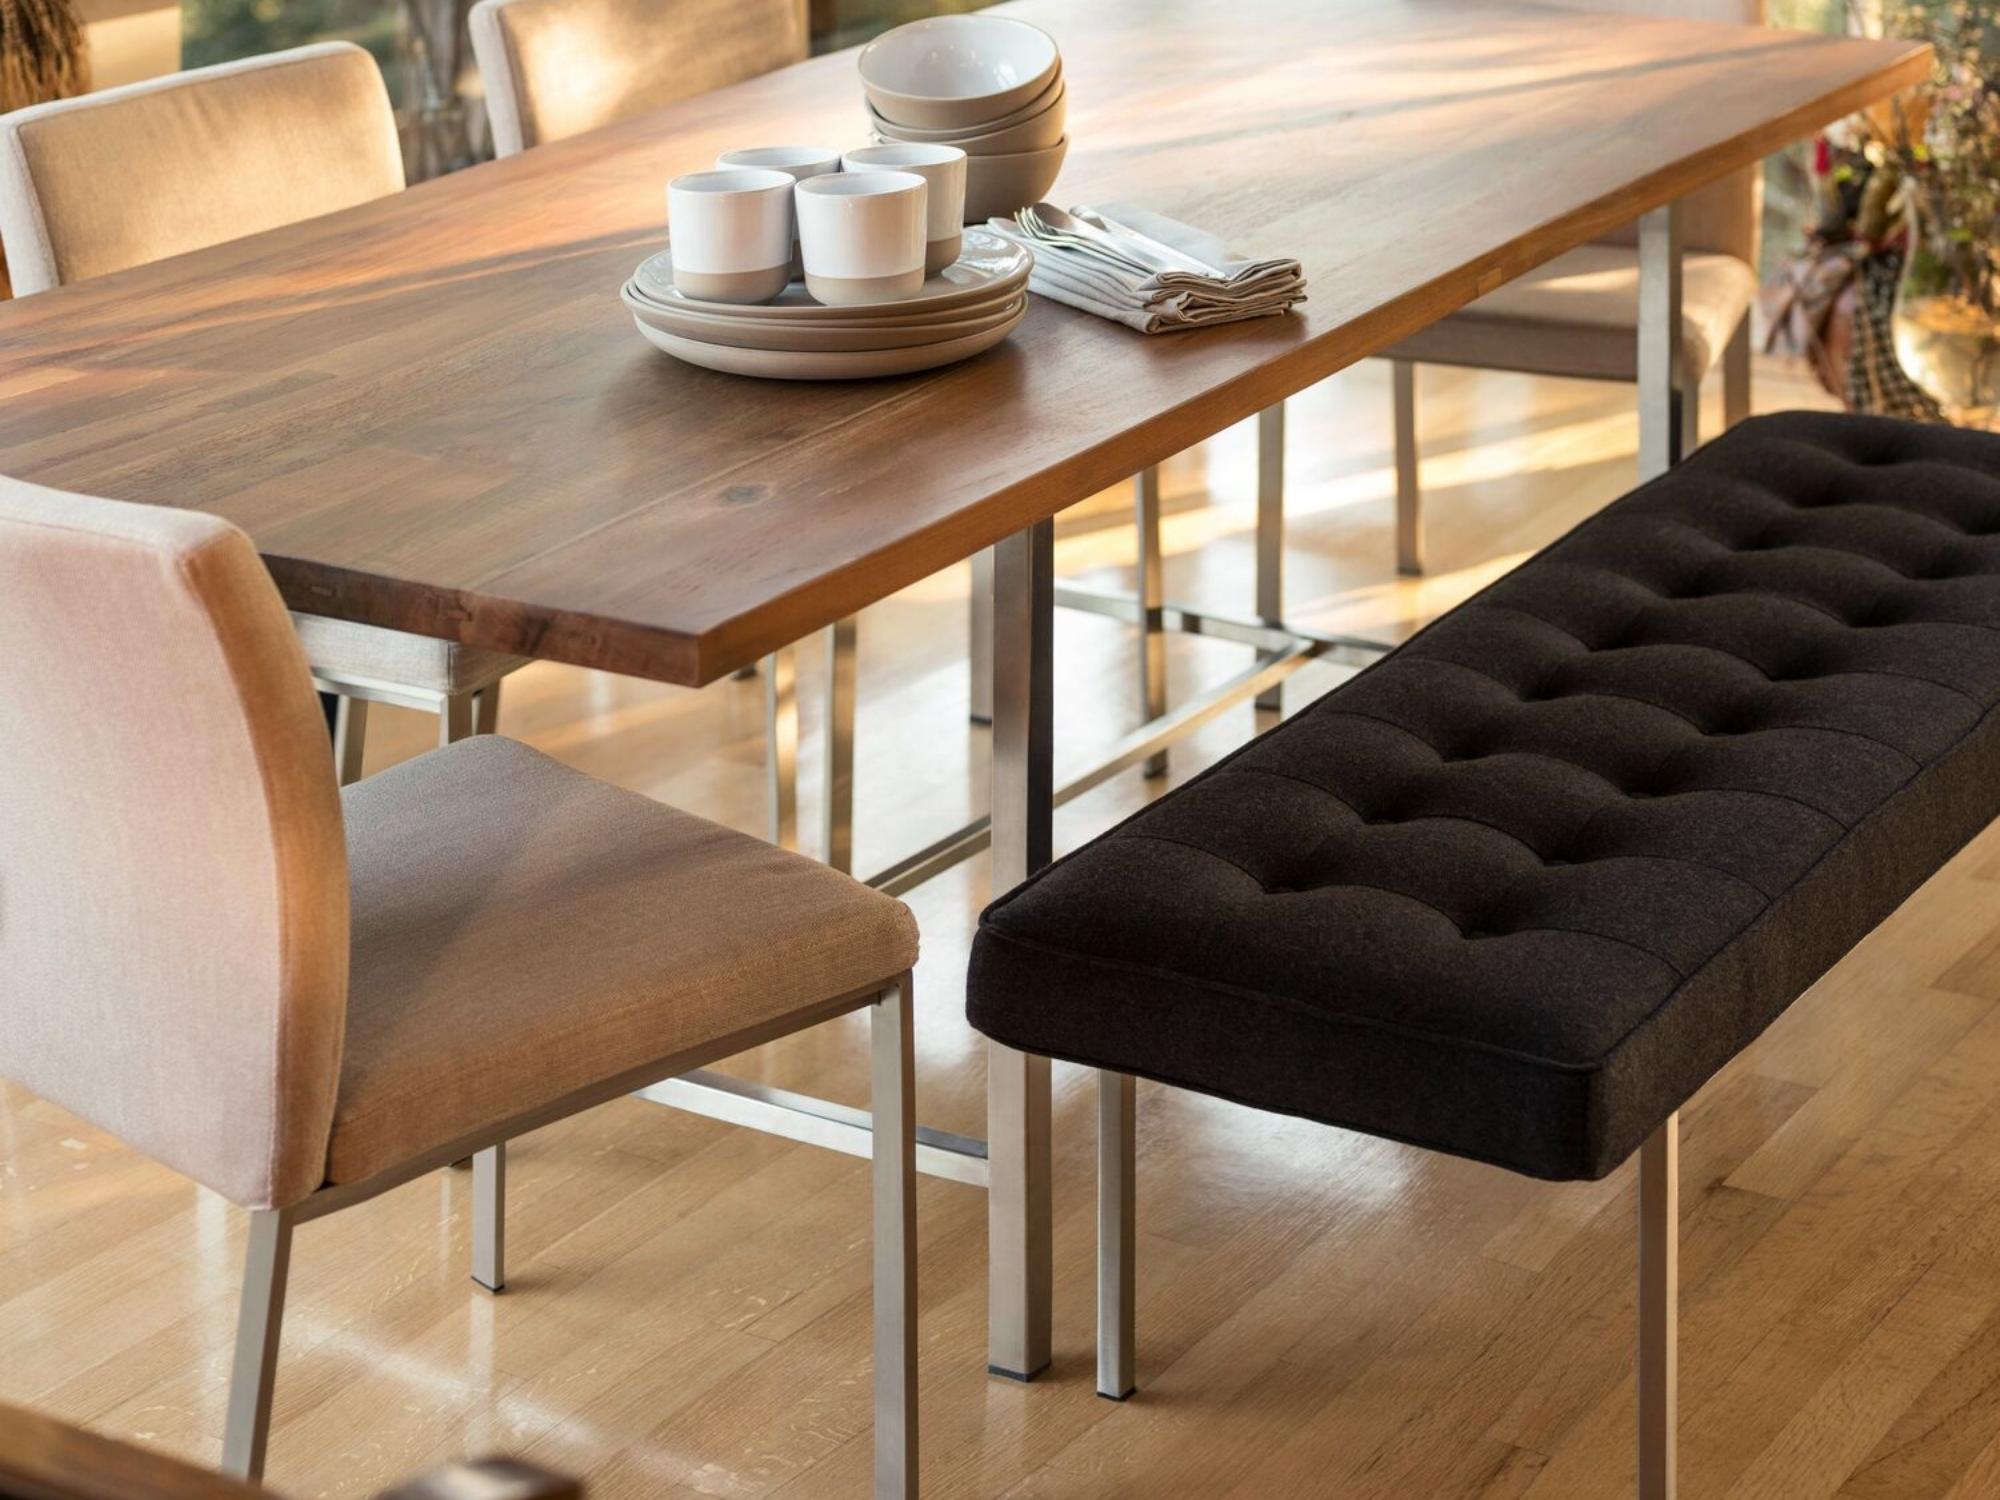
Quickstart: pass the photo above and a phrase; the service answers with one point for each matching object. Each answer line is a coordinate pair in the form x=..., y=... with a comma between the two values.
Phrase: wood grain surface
x=432, y=413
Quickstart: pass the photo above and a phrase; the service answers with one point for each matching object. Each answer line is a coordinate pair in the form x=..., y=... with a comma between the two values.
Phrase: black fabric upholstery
x=1519, y=889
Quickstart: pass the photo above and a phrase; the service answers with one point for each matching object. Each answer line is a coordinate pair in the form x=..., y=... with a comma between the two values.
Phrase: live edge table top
x=432, y=412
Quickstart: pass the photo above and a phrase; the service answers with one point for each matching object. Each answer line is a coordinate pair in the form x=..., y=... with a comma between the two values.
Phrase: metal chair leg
x=1409, y=494
x=350, y=730
x=486, y=709
x=1659, y=1295
x=247, y=1428
x=1690, y=419
x=1117, y=1198
x=781, y=746
x=979, y=636
x=893, y=1102
x=1271, y=532
x=1736, y=376
x=455, y=719
x=1152, y=606
x=489, y=1217
x=837, y=808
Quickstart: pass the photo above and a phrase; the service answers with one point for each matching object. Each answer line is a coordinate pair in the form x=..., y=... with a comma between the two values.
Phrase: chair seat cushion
x=344, y=650
x=1579, y=315
x=1516, y=891
x=522, y=930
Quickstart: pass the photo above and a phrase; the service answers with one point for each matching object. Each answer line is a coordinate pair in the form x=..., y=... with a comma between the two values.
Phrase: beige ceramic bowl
x=957, y=72
x=997, y=185
x=1036, y=133
x=1040, y=104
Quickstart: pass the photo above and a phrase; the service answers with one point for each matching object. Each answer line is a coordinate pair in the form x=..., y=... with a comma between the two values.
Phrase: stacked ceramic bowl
x=990, y=85
x=970, y=306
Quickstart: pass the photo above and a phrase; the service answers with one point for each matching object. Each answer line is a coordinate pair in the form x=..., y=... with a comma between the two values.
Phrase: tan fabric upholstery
x=98, y=183
x=1579, y=315
x=343, y=650
x=522, y=931
x=116, y=179
x=556, y=68
x=1724, y=218
x=173, y=883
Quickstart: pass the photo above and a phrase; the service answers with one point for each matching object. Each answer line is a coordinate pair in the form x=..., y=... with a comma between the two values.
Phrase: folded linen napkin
x=1163, y=301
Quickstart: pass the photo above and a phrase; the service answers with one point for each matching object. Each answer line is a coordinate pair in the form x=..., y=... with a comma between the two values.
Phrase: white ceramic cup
x=862, y=235
x=731, y=233
x=943, y=167
x=796, y=162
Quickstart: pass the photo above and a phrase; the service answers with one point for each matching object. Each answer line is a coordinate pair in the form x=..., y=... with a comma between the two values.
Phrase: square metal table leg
x=781, y=746
x=1271, y=534
x=1152, y=605
x=837, y=806
x=1662, y=422
x=1020, y=1215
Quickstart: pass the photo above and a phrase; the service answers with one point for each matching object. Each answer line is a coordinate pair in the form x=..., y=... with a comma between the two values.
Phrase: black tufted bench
x=1519, y=889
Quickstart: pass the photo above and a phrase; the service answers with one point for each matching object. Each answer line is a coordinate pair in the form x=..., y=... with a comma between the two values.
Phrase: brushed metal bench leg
x=1271, y=534
x=489, y=1217
x=1659, y=1295
x=1409, y=492
x=1019, y=1206
x=1117, y=1197
x=1152, y=606
x=893, y=1103
x=247, y=1427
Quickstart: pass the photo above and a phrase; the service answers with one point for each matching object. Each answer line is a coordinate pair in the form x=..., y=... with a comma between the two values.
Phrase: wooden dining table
x=432, y=413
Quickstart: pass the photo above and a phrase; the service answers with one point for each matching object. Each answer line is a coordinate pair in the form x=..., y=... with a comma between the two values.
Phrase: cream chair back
x=1727, y=216
x=173, y=897
x=556, y=68
x=105, y=181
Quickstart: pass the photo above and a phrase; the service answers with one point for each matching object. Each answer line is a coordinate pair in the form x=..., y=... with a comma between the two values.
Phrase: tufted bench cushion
x=1519, y=889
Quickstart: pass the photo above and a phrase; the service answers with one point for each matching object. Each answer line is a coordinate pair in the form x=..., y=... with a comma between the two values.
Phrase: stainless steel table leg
x=979, y=636
x=1662, y=422
x=1409, y=472
x=781, y=745
x=837, y=806
x=1152, y=605
x=1020, y=1224
x=1271, y=533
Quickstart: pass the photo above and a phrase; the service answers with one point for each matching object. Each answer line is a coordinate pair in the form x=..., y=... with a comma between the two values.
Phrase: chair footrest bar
x=815, y=1121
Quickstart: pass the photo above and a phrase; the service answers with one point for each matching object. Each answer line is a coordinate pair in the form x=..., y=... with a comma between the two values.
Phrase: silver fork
x=1096, y=219
x=1036, y=221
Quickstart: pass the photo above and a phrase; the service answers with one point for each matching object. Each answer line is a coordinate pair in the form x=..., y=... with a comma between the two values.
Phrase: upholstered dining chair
x=110, y=180
x=556, y=68
x=1578, y=316
x=302, y=997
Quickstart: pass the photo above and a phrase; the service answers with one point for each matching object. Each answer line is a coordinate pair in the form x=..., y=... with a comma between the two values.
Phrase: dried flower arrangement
x=1897, y=293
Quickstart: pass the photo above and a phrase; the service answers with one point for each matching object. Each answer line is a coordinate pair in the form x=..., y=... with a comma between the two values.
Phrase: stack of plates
x=990, y=85
x=964, y=310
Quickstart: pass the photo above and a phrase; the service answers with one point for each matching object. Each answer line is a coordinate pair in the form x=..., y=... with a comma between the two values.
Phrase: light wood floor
x=1321, y=1314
